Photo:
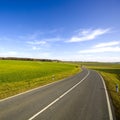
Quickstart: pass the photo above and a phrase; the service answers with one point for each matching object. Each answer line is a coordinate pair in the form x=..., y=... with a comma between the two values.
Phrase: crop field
x=111, y=75
x=18, y=76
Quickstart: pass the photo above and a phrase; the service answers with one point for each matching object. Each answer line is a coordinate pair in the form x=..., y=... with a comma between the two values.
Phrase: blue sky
x=78, y=30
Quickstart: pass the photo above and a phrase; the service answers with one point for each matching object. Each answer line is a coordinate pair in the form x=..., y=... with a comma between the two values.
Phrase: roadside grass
x=19, y=76
x=111, y=81
x=111, y=75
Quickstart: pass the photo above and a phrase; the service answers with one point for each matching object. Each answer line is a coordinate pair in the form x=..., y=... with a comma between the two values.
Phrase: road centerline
x=45, y=108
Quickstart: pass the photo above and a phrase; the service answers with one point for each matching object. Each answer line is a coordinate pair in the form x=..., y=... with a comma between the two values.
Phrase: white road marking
x=108, y=101
x=58, y=98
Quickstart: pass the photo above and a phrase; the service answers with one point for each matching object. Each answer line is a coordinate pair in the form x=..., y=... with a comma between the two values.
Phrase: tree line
x=28, y=59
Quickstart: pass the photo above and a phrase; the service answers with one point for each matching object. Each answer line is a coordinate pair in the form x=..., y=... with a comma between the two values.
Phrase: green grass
x=19, y=76
x=111, y=75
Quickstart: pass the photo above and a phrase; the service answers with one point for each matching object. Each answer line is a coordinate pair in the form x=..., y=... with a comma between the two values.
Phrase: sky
x=71, y=30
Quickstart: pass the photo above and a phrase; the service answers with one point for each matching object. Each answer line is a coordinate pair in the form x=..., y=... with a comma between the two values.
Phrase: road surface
x=80, y=97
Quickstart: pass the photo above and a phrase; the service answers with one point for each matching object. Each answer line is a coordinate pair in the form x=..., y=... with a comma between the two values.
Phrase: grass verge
x=20, y=76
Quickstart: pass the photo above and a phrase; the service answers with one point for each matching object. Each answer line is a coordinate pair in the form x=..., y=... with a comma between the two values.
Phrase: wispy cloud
x=37, y=42
x=35, y=48
x=103, y=47
x=43, y=43
x=100, y=50
x=88, y=34
x=107, y=44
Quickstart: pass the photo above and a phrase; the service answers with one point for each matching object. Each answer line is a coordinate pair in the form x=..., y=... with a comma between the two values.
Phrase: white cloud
x=36, y=48
x=103, y=47
x=37, y=42
x=107, y=44
x=100, y=50
x=43, y=41
x=88, y=34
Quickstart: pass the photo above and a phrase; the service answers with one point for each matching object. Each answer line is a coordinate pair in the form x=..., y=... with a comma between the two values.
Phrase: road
x=80, y=97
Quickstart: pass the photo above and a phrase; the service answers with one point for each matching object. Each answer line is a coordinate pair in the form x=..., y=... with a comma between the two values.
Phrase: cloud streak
x=37, y=42
x=107, y=44
x=103, y=47
x=86, y=35
x=101, y=50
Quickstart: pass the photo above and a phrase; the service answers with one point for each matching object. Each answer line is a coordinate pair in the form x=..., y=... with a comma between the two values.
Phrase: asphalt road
x=81, y=97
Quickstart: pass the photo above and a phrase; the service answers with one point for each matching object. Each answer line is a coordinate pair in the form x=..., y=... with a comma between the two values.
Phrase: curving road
x=81, y=97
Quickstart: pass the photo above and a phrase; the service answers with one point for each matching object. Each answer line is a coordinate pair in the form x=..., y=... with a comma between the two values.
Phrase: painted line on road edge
x=107, y=98
x=34, y=116
x=34, y=89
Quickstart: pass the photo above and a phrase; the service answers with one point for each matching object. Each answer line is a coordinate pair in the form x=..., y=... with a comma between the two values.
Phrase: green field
x=111, y=75
x=18, y=76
